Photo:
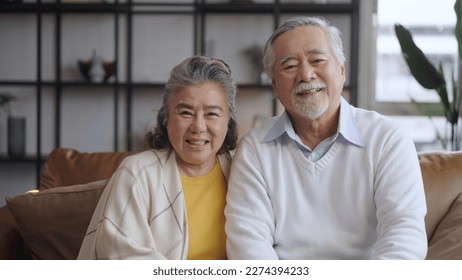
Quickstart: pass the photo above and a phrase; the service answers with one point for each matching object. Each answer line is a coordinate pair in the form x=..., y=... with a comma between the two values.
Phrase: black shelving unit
x=129, y=10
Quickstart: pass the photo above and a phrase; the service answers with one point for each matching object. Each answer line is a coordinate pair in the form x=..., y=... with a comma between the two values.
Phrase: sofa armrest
x=11, y=243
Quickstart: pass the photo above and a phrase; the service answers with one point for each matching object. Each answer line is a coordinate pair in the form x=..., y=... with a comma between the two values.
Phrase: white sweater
x=354, y=203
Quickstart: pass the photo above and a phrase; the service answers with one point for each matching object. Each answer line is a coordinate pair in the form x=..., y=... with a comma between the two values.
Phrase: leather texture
x=442, y=175
x=66, y=167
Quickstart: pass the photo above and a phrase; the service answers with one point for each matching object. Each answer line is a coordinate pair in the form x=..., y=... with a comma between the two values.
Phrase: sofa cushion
x=11, y=244
x=53, y=222
x=446, y=243
x=66, y=167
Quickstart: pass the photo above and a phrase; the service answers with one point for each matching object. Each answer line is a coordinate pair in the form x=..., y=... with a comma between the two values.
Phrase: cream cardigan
x=141, y=213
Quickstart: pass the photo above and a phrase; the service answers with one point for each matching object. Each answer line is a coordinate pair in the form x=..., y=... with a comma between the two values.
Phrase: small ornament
x=97, y=72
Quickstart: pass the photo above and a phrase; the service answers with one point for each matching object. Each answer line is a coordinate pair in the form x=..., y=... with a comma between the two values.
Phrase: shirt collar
x=347, y=126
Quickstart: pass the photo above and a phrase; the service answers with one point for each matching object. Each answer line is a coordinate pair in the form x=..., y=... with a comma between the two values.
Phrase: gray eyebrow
x=317, y=51
x=289, y=57
x=187, y=106
x=285, y=58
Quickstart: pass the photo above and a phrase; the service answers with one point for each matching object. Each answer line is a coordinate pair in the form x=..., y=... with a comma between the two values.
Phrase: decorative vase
x=16, y=137
x=97, y=72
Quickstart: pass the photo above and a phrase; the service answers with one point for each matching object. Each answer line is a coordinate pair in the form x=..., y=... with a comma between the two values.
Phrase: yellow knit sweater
x=205, y=198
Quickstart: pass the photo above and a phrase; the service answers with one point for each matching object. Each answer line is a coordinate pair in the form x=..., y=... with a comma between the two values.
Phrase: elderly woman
x=168, y=202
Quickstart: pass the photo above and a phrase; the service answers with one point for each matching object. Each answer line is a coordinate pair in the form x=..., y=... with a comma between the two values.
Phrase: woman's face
x=197, y=124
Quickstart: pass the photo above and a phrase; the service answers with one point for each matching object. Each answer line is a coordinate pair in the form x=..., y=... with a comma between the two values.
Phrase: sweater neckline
x=319, y=165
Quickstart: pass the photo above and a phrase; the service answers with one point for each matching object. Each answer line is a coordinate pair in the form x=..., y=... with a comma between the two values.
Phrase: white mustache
x=308, y=86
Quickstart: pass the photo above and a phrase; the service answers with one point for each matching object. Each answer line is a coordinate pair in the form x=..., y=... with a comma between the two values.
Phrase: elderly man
x=324, y=180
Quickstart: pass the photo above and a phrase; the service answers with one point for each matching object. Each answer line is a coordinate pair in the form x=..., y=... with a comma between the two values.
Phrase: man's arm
x=400, y=201
x=249, y=213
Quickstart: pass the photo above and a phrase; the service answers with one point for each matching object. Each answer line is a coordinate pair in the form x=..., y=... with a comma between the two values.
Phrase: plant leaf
x=444, y=95
x=5, y=98
x=455, y=99
x=458, y=27
x=421, y=68
x=457, y=90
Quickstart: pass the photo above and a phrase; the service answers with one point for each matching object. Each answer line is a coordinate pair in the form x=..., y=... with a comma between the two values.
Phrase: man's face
x=308, y=80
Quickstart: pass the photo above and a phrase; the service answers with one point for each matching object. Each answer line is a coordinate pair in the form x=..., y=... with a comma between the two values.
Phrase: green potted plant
x=5, y=99
x=16, y=128
x=430, y=77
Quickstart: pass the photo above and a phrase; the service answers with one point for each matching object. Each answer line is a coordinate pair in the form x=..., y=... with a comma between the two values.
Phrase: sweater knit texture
x=356, y=202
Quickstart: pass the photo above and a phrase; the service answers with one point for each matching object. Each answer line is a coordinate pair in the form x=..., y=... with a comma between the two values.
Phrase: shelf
x=18, y=83
x=109, y=84
x=238, y=8
x=51, y=41
x=318, y=8
x=281, y=8
x=27, y=159
x=167, y=7
x=62, y=7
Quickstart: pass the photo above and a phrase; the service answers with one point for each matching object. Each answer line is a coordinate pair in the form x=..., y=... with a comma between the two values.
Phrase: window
x=397, y=93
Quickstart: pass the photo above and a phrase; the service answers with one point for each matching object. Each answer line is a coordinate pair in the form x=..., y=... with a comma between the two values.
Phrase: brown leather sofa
x=50, y=224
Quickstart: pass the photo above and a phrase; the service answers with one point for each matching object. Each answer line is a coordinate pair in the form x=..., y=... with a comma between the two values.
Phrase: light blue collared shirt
x=347, y=129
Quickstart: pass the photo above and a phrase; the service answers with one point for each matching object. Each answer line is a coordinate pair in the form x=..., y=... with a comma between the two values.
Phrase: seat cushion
x=53, y=222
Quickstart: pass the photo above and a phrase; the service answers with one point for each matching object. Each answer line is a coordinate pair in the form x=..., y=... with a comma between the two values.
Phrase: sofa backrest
x=66, y=167
x=442, y=176
x=441, y=171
